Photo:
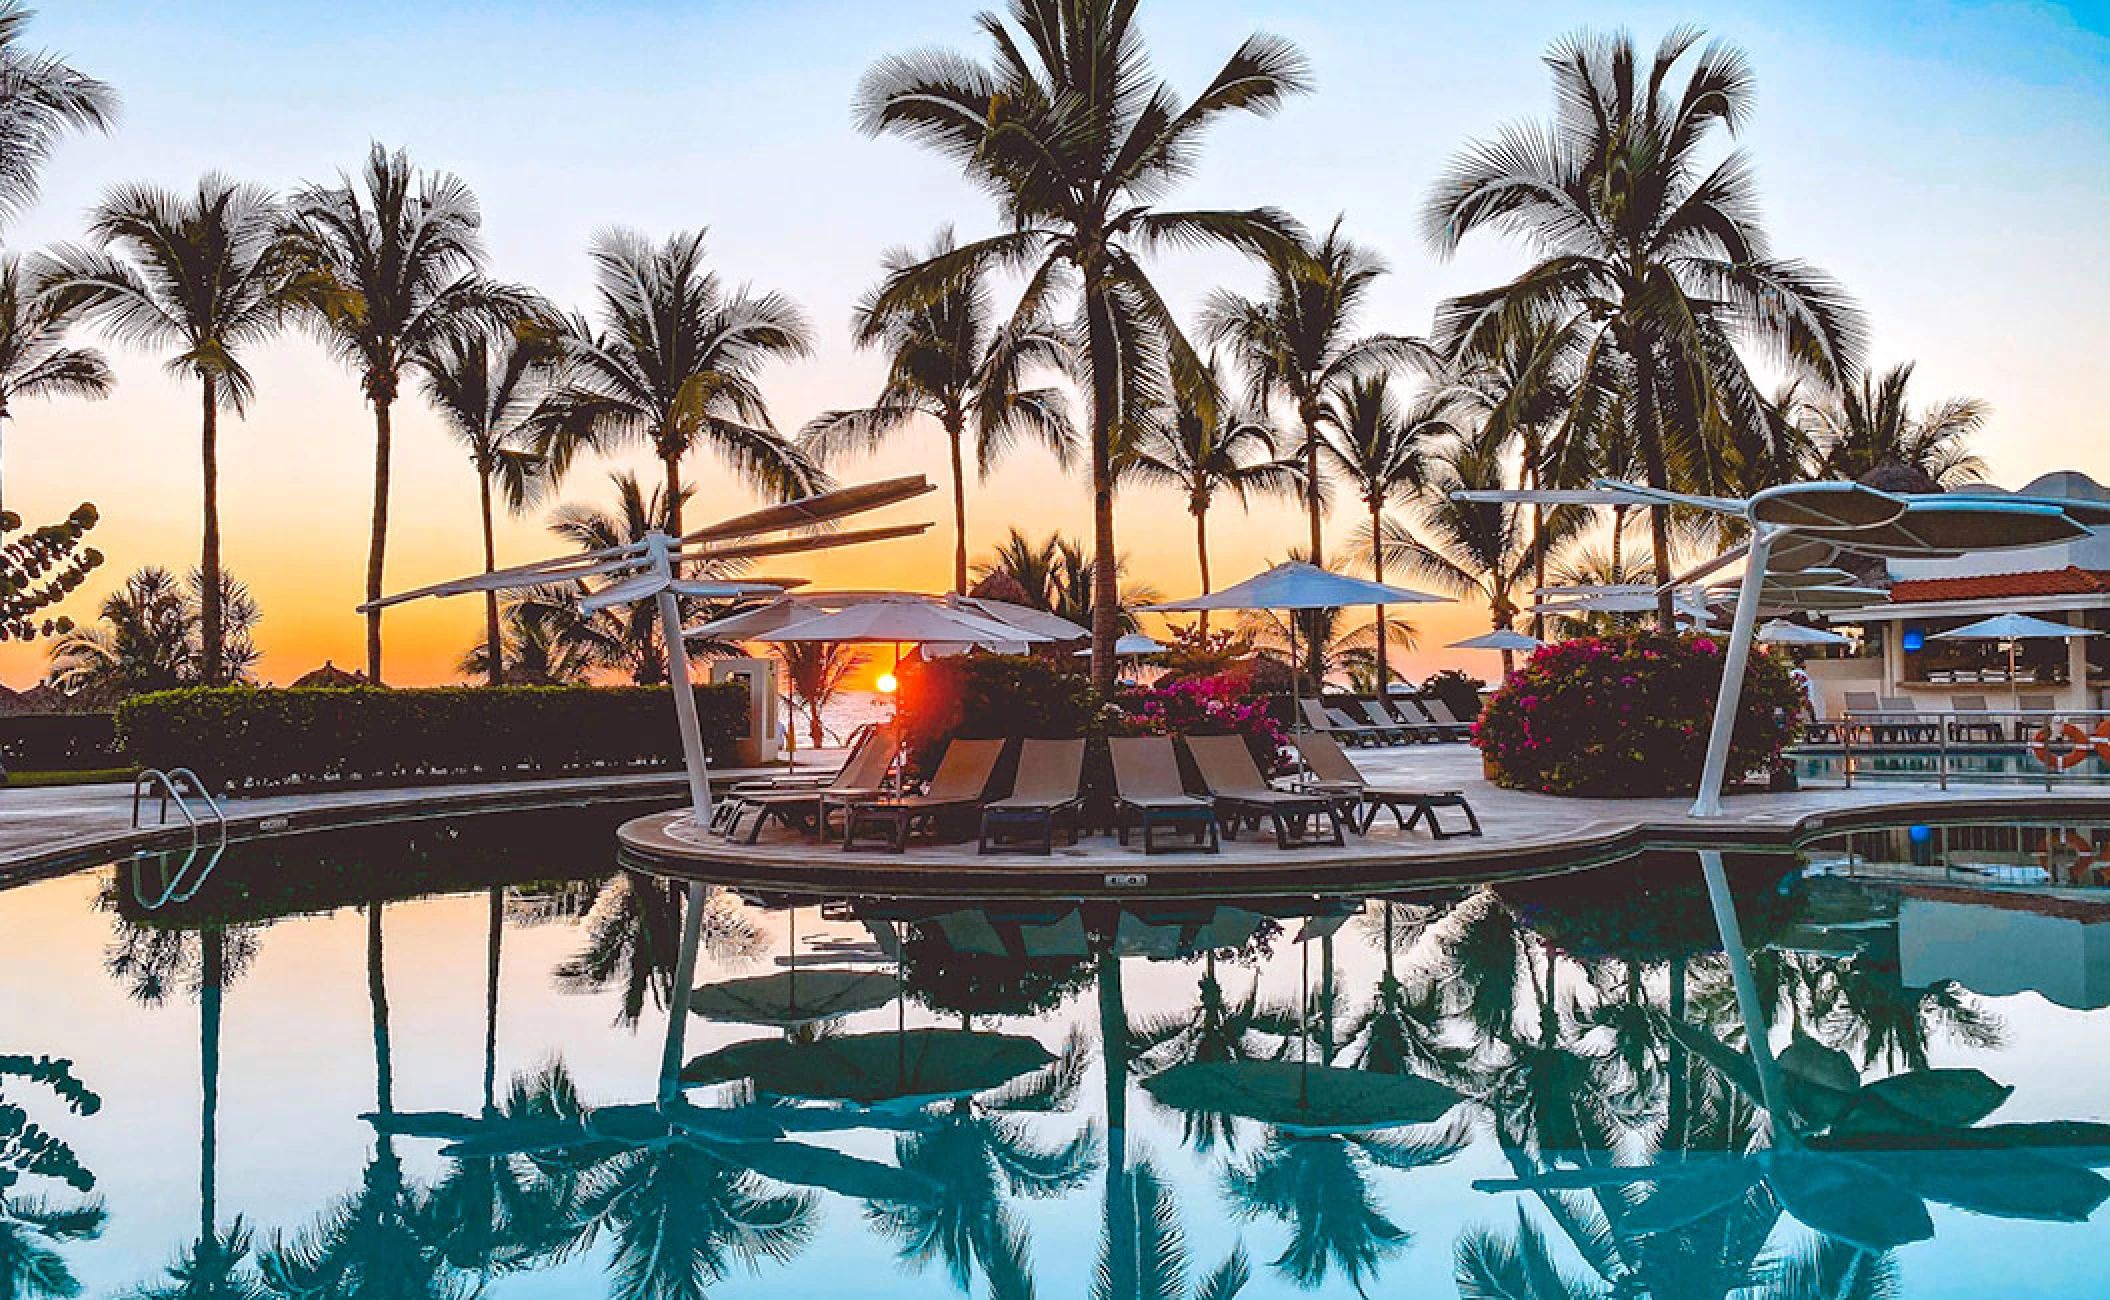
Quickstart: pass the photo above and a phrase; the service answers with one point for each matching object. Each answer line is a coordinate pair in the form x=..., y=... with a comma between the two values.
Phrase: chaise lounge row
x=1324, y=801
x=1398, y=720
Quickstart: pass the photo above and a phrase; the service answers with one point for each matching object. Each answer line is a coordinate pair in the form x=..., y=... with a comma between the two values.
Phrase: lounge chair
x=1446, y=723
x=1402, y=711
x=1902, y=712
x=960, y=783
x=1389, y=727
x=1973, y=730
x=1333, y=772
x=1048, y=790
x=1241, y=792
x=1320, y=718
x=1149, y=793
x=862, y=776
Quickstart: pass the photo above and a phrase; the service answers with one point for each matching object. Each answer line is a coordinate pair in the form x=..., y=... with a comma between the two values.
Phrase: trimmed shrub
x=1459, y=691
x=59, y=742
x=1627, y=715
x=984, y=696
x=248, y=739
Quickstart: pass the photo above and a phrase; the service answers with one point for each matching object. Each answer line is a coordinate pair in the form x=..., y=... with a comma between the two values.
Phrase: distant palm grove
x=1649, y=331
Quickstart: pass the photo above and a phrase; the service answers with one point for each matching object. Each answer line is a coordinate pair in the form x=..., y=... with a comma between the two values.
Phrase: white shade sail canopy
x=1499, y=639
x=1781, y=632
x=1296, y=585
x=1020, y=624
x=2014, y=627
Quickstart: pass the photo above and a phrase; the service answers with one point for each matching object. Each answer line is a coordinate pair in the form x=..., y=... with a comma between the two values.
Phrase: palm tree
x=950, y=360
x=34, y=358
x=485, y=386
x=42, y=99
x=1521, y=382
x=1297, y=340
x=1029, y=566
x=1660, y=253
x=815, y=673
x=1872, y=425
x=540, y=643
x=1205, y=446
x=674, y=365
x=203, y=273
x=622, y=636
x=1382, y=450
x=1472, y=548
x=1071, y=133
x=150, y=638
x=393, y=264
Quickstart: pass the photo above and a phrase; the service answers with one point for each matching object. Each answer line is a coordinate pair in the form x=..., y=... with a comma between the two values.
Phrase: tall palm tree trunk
x=377, y=545
x=1377, y=572
x=1309, y=412
x=494, y=667
x=210, y=617
x=671, y=460
x=1653, y=462
x=3, y=444
x=1201, y=558
x=1106, y=595
x=953, y=431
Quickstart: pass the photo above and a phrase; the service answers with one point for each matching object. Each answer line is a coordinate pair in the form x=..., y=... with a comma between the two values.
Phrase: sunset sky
x=1949, y=163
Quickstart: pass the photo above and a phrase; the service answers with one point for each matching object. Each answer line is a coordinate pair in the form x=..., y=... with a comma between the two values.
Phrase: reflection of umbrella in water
x=1299, y=1097
x=898, y=1065
x=794, y=997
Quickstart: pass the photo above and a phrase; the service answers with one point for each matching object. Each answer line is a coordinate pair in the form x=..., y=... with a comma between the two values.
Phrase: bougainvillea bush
x=1627, y=715
x=1202, y=706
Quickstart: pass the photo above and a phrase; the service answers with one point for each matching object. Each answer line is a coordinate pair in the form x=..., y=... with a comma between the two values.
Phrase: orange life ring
x=2074, y=746
x=2082, y=848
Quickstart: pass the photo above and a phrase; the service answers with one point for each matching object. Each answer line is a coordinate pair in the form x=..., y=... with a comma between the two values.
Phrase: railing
x=181, y=885
x=1999, y=746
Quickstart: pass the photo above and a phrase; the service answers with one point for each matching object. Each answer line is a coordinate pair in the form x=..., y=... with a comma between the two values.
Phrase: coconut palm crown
x=34, y=358
x=674, y=363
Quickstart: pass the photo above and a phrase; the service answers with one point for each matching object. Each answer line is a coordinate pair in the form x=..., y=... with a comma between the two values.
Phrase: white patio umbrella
x=1130, y=645
x=1295, y=585
x=2012, y=628
x=1780, y=631
x=1502, y=638
x=902, y=619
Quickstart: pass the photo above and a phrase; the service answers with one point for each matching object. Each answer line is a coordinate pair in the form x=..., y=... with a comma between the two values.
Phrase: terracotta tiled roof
x=1993, y=586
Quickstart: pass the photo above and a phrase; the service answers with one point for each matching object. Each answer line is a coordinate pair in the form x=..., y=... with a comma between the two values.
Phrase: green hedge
x=59, y=742
x=241, y=738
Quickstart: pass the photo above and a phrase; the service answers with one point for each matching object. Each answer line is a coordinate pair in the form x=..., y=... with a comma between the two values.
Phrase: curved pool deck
x=1525, y=834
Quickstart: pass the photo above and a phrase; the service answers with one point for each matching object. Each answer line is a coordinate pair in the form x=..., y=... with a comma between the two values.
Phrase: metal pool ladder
x=181, y=885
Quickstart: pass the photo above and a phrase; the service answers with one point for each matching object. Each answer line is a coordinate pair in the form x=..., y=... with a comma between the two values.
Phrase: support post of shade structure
x=1715, y=771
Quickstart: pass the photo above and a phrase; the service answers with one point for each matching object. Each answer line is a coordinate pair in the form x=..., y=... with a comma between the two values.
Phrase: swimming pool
x=435, y=1061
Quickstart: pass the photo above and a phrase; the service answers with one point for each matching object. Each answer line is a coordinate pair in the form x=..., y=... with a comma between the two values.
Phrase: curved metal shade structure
x=1825, y=507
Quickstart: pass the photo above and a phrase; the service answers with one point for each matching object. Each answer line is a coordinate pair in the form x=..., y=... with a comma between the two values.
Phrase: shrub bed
x=1628, y=715
x=1223, y=705
x=247, y=739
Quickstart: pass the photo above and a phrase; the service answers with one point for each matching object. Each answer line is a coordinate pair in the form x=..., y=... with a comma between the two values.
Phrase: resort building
x=1901, y=655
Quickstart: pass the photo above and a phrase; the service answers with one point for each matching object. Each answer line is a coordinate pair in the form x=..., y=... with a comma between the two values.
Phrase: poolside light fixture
x=651, y=568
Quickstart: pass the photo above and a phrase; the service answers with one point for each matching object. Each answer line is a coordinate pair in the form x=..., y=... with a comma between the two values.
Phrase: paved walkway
x=48, y=827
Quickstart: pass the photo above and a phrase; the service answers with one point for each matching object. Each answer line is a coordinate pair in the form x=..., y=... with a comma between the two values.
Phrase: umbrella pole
x=693, y=758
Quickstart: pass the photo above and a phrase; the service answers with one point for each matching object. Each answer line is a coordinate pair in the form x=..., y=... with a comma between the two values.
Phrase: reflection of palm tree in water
x=1214, y=1029
x=633, y=938
x=32, y=1225
x=151, y=961
x=376, y=1240
x=978, y=1153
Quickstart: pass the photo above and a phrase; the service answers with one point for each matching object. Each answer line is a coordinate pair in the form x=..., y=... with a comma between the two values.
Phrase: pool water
x=436, y=1062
